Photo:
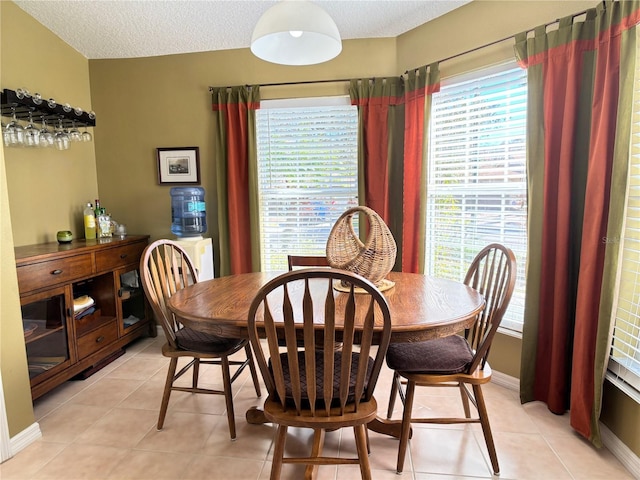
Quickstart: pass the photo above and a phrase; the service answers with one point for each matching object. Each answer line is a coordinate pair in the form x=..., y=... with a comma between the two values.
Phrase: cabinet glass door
x=45, y=333
x=132, y=301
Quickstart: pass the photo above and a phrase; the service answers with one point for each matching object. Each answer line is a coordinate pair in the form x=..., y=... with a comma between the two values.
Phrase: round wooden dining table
x=422, y=307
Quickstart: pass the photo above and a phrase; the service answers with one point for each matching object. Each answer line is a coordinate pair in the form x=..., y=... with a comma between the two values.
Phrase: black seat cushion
x=192, y=340
x=446, y=355
x=337, y=360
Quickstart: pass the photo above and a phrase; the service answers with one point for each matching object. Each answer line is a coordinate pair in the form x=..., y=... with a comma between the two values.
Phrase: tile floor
x=104, y=428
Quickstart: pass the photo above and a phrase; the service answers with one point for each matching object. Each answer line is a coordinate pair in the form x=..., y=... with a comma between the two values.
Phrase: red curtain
x=574, y=97
x=376, y=100
x=235, y=107
x=391, y=155
x=419, y=88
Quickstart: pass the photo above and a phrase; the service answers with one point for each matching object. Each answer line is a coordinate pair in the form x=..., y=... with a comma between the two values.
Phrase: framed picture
x=179, y=165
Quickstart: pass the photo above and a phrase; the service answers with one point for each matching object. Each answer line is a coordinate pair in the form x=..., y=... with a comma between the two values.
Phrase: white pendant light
x=296, y=32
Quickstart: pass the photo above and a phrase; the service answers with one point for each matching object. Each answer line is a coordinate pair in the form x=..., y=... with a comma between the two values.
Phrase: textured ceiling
x=144, y=28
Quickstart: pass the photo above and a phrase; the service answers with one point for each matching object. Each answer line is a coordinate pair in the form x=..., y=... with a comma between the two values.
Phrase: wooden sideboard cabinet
x=62, y=341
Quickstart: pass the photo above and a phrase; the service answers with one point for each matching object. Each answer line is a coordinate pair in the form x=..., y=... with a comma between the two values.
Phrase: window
x=624, y=360
x=476, y=185
x=307, y=174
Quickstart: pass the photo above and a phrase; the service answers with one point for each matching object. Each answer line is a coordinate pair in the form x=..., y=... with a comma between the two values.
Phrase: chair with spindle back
x=457, y=360
x=166, y=268
x=311, y=383
x=306, y=261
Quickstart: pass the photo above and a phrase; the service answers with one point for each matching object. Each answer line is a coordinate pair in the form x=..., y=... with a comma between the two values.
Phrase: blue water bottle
x=188, y=212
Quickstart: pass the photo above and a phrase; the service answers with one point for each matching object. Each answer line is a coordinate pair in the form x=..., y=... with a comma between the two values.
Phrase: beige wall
x=478, y=23
x=147, y=103
x=164, y=101
x=45, y=189
x=13, y=358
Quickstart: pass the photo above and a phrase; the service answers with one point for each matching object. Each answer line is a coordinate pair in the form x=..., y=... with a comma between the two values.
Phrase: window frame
x=514, y=321
x=327, y=202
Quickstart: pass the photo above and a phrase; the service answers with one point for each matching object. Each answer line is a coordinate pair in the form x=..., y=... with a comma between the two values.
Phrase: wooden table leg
x=387, y=427
x=255, y=416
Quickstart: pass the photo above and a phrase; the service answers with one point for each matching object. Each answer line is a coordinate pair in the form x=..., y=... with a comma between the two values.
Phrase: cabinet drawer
x=97, y=339
x=53, y=272
x=113, y=258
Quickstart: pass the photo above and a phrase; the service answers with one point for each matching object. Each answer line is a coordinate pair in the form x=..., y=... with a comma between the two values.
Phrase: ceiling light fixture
x=296, y=32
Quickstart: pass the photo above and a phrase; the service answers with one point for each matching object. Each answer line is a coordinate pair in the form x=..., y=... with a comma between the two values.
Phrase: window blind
x=307, y=174
x=476, y=180
x=624, y=360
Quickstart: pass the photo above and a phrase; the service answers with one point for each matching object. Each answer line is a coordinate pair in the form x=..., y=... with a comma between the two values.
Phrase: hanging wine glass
x=31, y=133
x=46, y=137
x=86, y=135
x=13, y=133
x=61, y=138
x=74, y=133
x=6, y=135
x=23, y=93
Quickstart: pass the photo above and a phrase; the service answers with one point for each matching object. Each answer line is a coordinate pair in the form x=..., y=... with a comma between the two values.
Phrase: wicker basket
x=373, y=259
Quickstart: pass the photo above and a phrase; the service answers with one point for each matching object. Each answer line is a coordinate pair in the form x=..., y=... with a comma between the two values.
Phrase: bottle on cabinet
x=104, y=223
x=89, y=222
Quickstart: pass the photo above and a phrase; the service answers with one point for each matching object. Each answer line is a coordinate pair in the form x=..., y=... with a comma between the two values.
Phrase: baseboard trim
x=618, y=449
x=506, y=381
x=25, y=438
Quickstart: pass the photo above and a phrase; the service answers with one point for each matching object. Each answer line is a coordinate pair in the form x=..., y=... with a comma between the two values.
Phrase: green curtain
x=380, y=149
x=578, y=132
x=421, y=83
x=237, y=177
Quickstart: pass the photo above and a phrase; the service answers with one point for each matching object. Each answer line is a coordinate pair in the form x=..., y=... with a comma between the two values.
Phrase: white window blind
x=307, y=174
x=624, y=360
x=476, y=186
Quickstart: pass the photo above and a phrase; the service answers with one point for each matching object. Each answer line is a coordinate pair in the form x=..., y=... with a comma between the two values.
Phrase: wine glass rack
x=51, y=114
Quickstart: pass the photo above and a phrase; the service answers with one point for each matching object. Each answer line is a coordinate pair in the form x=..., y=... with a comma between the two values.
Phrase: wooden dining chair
x=316, y=385
x=458, y=360
x=166, y=268
x=306, y=261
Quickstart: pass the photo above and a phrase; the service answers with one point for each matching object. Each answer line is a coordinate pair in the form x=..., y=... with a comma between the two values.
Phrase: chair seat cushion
x=192, y=340
x=446, y=355
x=319, y=377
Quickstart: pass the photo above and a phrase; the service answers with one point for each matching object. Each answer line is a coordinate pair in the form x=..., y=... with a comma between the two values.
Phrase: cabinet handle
x=56, y=272
x=123, y=256
x=100, y=338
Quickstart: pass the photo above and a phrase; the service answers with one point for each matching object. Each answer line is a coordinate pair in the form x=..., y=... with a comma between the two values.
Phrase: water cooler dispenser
x=188, y=223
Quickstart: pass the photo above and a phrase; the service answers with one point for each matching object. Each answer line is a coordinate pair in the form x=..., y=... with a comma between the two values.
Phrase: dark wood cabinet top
x=28, y=254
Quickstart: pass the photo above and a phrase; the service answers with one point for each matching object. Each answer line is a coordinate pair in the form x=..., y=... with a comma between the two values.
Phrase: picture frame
x=179, y=165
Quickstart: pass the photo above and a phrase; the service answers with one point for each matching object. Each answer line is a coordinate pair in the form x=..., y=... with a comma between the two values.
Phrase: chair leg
x=394, y=392
x=167, y=392
x=366, y=431
x=311, y=471
x=486, y=428
x=252, y=367
x=465, y=400
x=406, y=424
x=196, y=373
x=278, y=452
x=228, y=396
x=361, y=446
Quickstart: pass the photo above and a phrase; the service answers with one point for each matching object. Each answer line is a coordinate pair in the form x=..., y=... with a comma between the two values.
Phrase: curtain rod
x=305, y=82
x=466, y=52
